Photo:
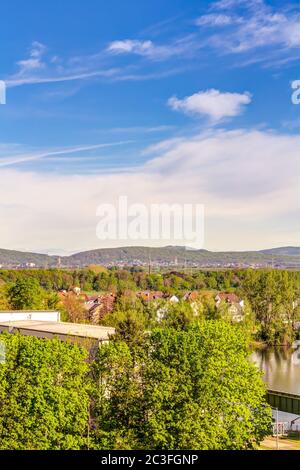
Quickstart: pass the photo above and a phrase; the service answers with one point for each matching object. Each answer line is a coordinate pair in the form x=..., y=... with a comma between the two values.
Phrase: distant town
x=157, y=258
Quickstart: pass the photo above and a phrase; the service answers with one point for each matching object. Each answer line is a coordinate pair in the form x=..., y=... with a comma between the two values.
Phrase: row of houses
x=100, y=305
x=48, y=324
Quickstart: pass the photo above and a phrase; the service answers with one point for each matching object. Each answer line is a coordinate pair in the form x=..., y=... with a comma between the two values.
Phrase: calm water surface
x=281, y=367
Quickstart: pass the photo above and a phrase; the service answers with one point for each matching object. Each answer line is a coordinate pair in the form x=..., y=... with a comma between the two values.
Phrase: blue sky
x=174, y=101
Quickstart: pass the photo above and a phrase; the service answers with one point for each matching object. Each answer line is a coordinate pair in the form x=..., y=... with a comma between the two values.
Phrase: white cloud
x=225, y=4
x=34, y=61
x=17, y=80
x=40, y=68
x=215, y=19
x=250, y=193
x=266, y=30
x=153, y=51
x=212, y=103
x=129, y=45
x=231, y=27
x=257, y=25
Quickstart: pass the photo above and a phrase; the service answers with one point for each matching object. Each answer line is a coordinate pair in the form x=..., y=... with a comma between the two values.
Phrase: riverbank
x=284, y=443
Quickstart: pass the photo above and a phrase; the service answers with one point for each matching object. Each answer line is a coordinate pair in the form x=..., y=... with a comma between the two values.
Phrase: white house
x=37, y=315
x=162, y=311
x=76, y=290
x=235, y=305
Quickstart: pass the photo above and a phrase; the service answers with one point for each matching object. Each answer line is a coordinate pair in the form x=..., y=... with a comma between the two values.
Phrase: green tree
x=72, y=308
x=271, y=295
x=44, y=394
x=26, y=293
x=193, y=389
x=130, y=328
x=4, y=298
x=179, y=315
x=117, y=398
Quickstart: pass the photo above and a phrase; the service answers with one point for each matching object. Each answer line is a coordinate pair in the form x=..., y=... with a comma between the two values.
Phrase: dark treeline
x=89, y=279
x=96, y=278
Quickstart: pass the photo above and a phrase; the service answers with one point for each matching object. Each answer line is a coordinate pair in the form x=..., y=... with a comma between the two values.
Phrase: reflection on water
x=281, y=367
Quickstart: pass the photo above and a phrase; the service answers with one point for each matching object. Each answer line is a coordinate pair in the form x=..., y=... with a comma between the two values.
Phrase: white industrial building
x=36, y=315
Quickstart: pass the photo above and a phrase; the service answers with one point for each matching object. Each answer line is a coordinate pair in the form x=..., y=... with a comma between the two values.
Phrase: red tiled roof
x=150, y=295
x=193, y=295
x=229, y=297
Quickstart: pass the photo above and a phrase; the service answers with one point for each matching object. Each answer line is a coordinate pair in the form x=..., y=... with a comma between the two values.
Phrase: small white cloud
x=225, y=4
x=153, y=51
x=35, y=58
x=212, y=103
x=37, y=49
x=130, y=45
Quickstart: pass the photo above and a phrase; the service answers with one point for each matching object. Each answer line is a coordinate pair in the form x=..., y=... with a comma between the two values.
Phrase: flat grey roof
x=62, y=328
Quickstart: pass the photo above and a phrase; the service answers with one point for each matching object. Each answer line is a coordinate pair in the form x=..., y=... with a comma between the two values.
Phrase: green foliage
x=44, y=394
x=271, y=295
x=4, y=300
x=27, y=294
x=202, y=390
x=178, y=316
x=130, y=329
x=117, y=397
x=189, y=387
x=193, y=389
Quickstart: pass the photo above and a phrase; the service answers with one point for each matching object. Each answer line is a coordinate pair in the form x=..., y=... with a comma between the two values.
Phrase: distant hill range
x=285, y=250
x=169, y=256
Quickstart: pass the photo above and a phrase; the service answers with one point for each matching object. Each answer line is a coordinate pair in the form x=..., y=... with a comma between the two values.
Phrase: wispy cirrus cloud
x=212, y=103
x=216, y=19
x=253, y=30
x=254, y=25
x=18, y=158
x=39, y=67
x=152, y=51
x=225, y=4
x=36, y=79
x=34, y=61
x=141, y=129
x=230, y=27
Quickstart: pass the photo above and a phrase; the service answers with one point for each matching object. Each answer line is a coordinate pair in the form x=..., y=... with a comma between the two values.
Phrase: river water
x=281, y=367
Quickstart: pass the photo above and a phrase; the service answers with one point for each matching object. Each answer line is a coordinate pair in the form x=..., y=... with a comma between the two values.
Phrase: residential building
x=235, y=305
